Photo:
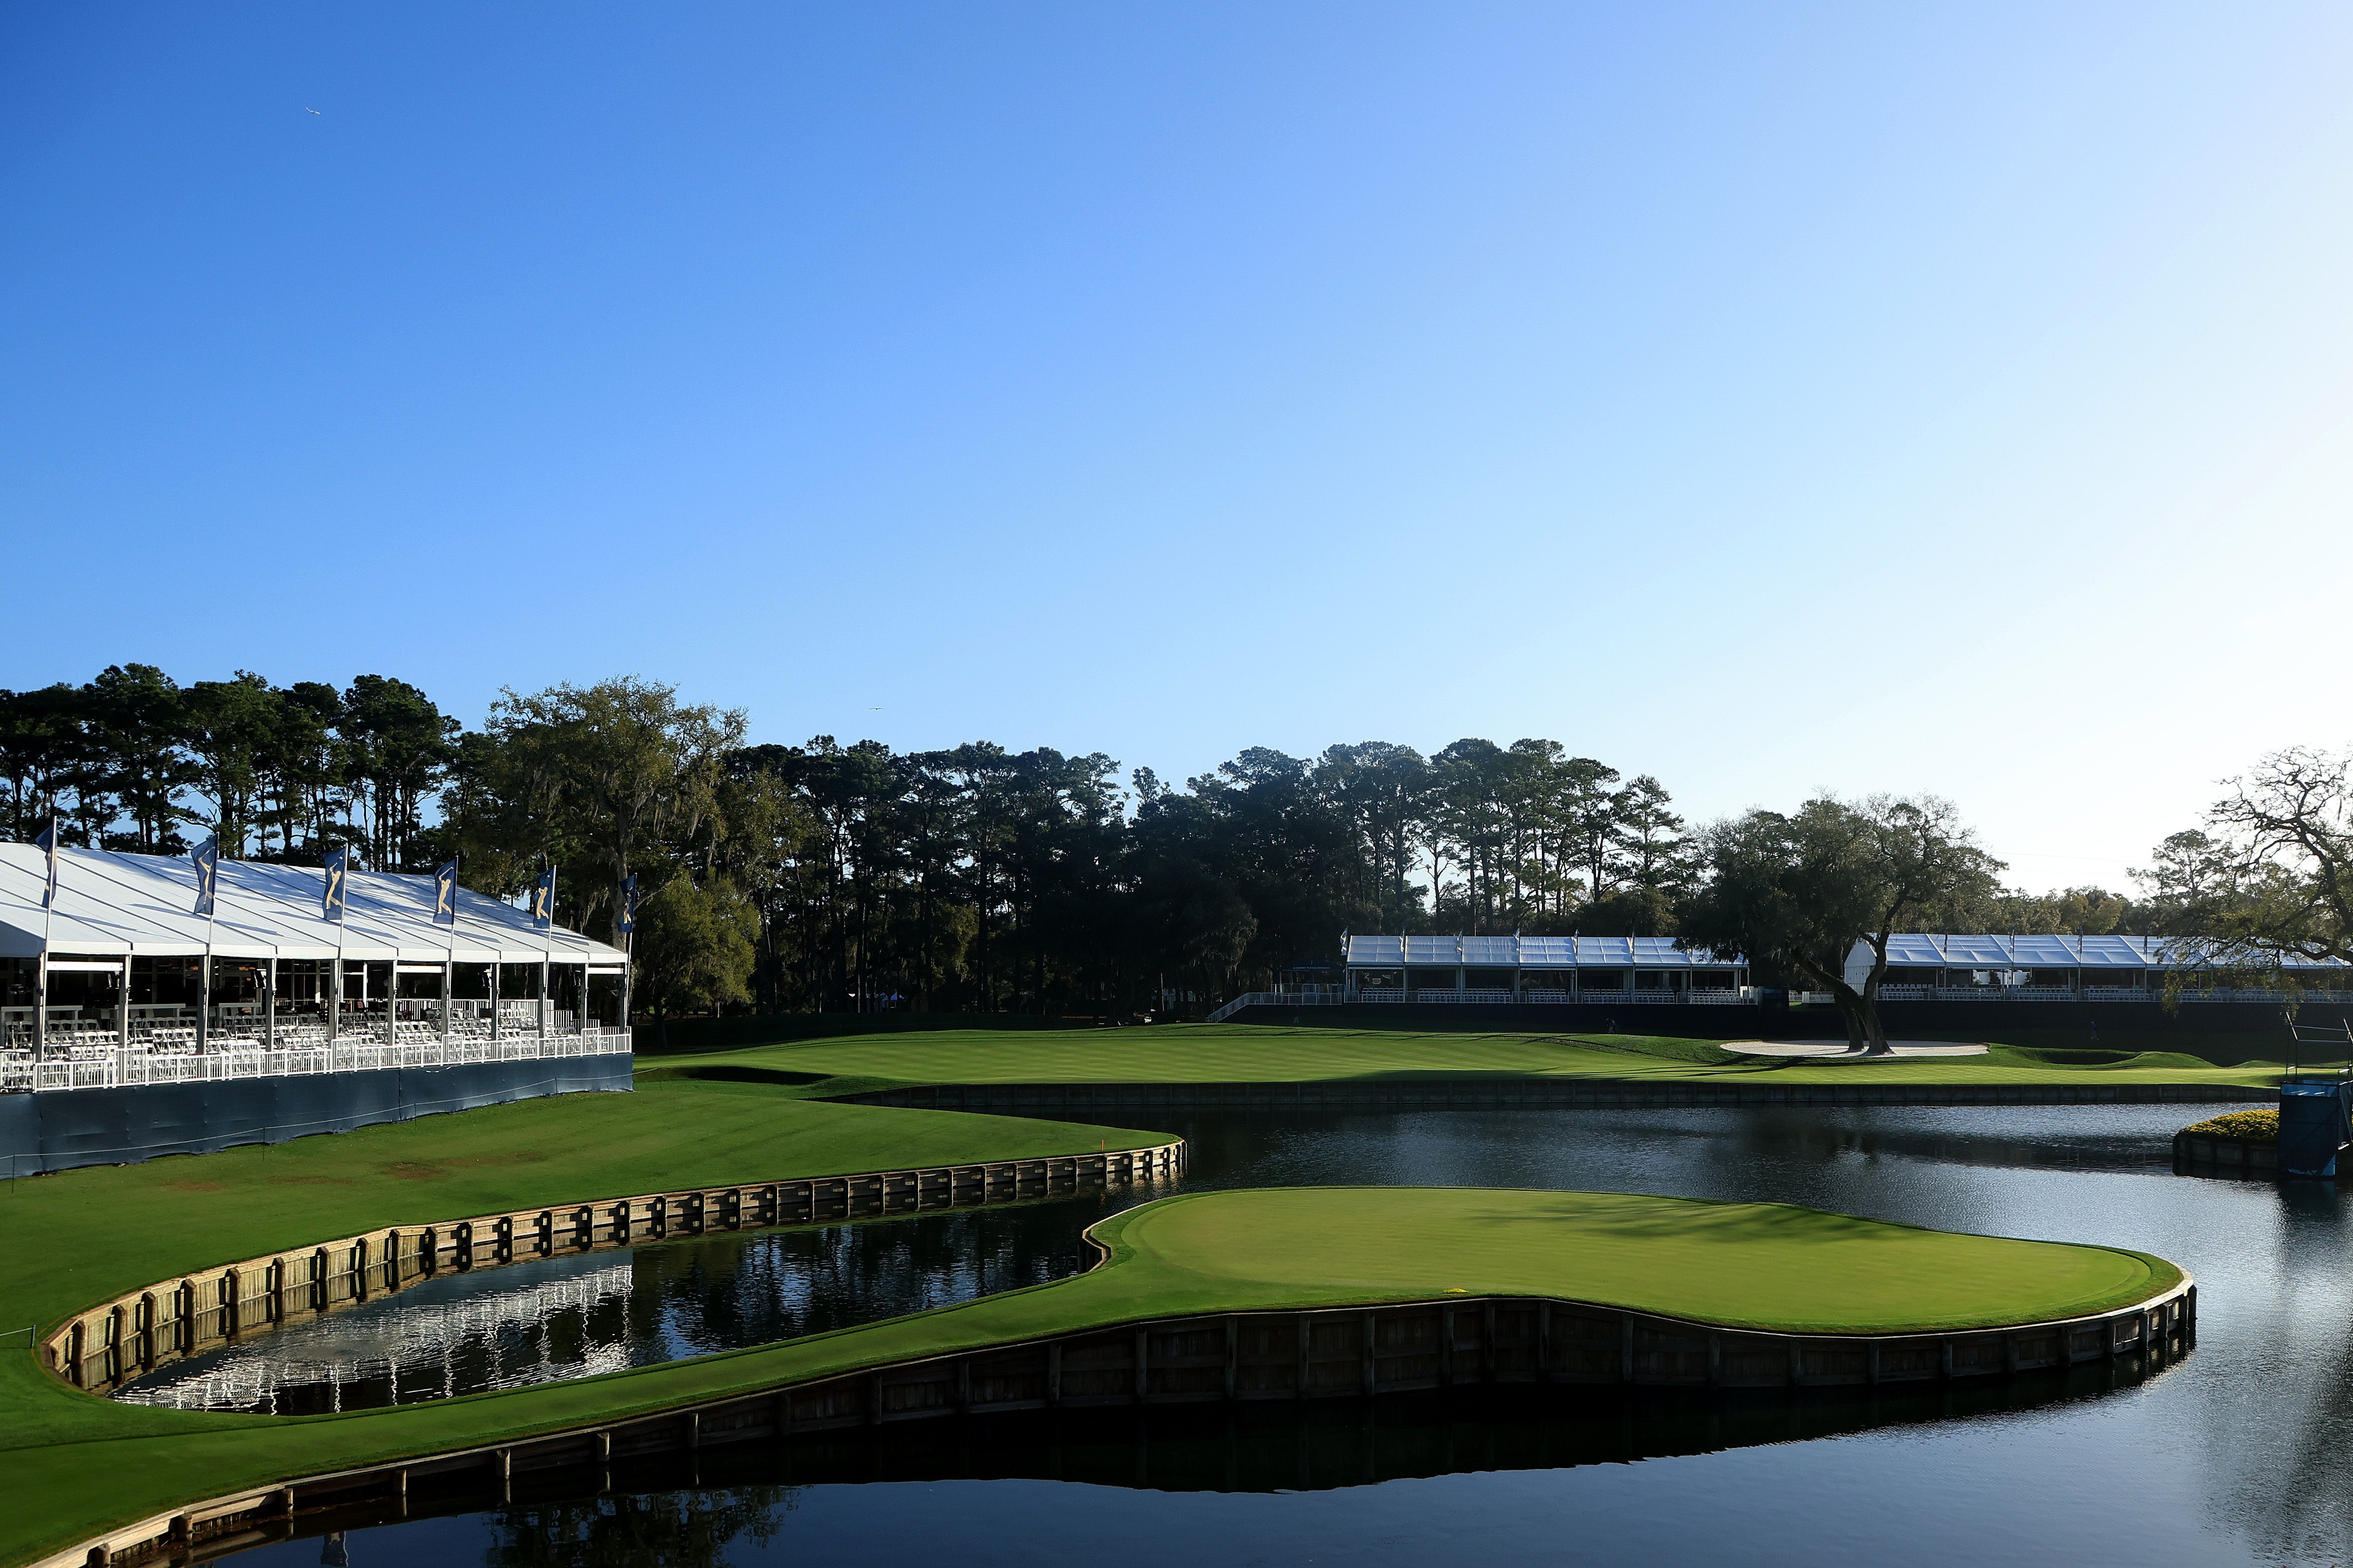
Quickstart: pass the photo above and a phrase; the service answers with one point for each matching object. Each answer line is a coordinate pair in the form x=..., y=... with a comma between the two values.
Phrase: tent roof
x=110, y=903
x=1923, y=950
x=1530, y=952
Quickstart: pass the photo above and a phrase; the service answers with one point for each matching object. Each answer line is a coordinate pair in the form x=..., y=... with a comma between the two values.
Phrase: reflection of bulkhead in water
x=546, y=1319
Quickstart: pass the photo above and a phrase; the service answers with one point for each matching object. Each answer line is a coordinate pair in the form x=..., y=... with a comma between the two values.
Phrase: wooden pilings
x=109, y=1344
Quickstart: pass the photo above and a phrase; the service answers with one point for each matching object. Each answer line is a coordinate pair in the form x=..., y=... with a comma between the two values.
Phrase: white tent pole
x=41, y=968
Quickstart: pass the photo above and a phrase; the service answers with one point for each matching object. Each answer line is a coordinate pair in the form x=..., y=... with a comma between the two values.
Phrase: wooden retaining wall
x=109, y=1344
x=1091, y=1100
x=1284, y=1355
x=2206, y=1151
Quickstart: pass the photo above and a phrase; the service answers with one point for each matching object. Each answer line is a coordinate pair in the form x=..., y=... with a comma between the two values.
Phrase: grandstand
x=1923, y=967
x=141, y=991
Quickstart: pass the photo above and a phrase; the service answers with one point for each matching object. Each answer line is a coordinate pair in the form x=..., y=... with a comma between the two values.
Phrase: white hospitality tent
x=122, y=934
x=1578, y=965
x=1987, y=963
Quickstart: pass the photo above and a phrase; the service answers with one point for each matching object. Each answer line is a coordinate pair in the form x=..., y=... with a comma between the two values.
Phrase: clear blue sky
x=1767, y=397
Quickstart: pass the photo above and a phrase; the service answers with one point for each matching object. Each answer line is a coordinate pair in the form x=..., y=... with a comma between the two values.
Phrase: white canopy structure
x=118, y=982
x=1949, y=967
x=1552, y=952
x=1485, y=969
x=109, y=904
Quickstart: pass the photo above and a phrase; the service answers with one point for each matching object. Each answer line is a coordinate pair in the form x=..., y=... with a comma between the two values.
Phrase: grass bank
x=80, y=1237
x=1244, y=1053
x=1739, y=1265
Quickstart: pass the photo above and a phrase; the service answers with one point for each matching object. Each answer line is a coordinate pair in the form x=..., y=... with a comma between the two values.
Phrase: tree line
x=826, y=876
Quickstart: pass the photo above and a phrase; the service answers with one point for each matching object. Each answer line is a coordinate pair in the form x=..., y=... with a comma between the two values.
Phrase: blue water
x=2237, y=1455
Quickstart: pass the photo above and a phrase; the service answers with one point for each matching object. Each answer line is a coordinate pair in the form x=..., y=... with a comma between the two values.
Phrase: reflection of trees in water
x=723, y=1291
x=662, y=1529
x=2281, y=1453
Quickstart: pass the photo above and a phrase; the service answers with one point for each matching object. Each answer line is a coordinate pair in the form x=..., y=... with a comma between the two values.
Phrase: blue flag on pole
x=205, y=857
x=47, y=842
x=445, y=895
x=543, y=898
x=338, y=866
x=629, y=921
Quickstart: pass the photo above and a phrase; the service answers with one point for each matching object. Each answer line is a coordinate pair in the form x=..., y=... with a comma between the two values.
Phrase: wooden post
x=1143, y=1359
x=1626, y=1350
x=1372, y=1370
x=1714, y=1360
x=1298, y=1383
x=1054, y=1375
x=1233, y=1353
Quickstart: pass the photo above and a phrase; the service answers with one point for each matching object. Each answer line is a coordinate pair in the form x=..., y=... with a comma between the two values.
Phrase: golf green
x=1759, y=1266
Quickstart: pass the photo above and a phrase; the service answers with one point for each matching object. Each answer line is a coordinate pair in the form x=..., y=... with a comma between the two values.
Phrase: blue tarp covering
x=61, y=1130
x=2313, y=1126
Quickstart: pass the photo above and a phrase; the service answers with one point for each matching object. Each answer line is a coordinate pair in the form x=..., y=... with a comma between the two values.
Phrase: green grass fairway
x=75, y=1465
x=1246, y=1053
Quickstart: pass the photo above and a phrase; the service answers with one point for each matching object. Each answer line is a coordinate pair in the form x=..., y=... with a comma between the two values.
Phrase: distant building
x=1549, y=969
x=1926, y=967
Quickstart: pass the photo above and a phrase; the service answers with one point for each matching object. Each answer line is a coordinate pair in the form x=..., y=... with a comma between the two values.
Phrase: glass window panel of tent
x=19, y=980
x=366, y=986
x=304, y=986
x=237, y=985
x=518, y=982
x=605, y=999
x=92, y=995
x=1603, y=979
x=564, y=983
x=157, y=983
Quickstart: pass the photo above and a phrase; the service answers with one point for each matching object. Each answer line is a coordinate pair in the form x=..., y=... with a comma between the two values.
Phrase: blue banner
x=47, y=843
x=543, y=900
x=205, y=857
x=629, y=921
x=338, y=866
x=445, y=895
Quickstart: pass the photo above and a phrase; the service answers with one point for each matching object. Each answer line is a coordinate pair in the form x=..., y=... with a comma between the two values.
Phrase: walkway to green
x=1243, y=1053
x=1738, y=1264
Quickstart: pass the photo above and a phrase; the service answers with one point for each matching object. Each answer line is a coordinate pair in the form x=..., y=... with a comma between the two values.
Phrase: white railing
x=85, y=1066
x=1330, y=996
x=1322, y=997
x=2089, y=994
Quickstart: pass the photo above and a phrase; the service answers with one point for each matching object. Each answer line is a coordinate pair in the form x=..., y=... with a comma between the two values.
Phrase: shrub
x=2249, y=1126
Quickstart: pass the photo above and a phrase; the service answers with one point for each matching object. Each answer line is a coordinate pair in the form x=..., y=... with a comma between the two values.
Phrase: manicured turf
x=1244, y=1053
x=1769, y=1266
x=80, y=1237
x=1742, y=1265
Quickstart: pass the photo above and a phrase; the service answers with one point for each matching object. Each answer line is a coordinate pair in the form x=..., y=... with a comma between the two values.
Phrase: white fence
x=2088, y=994
x=1327, y=997
x=113, y=1067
